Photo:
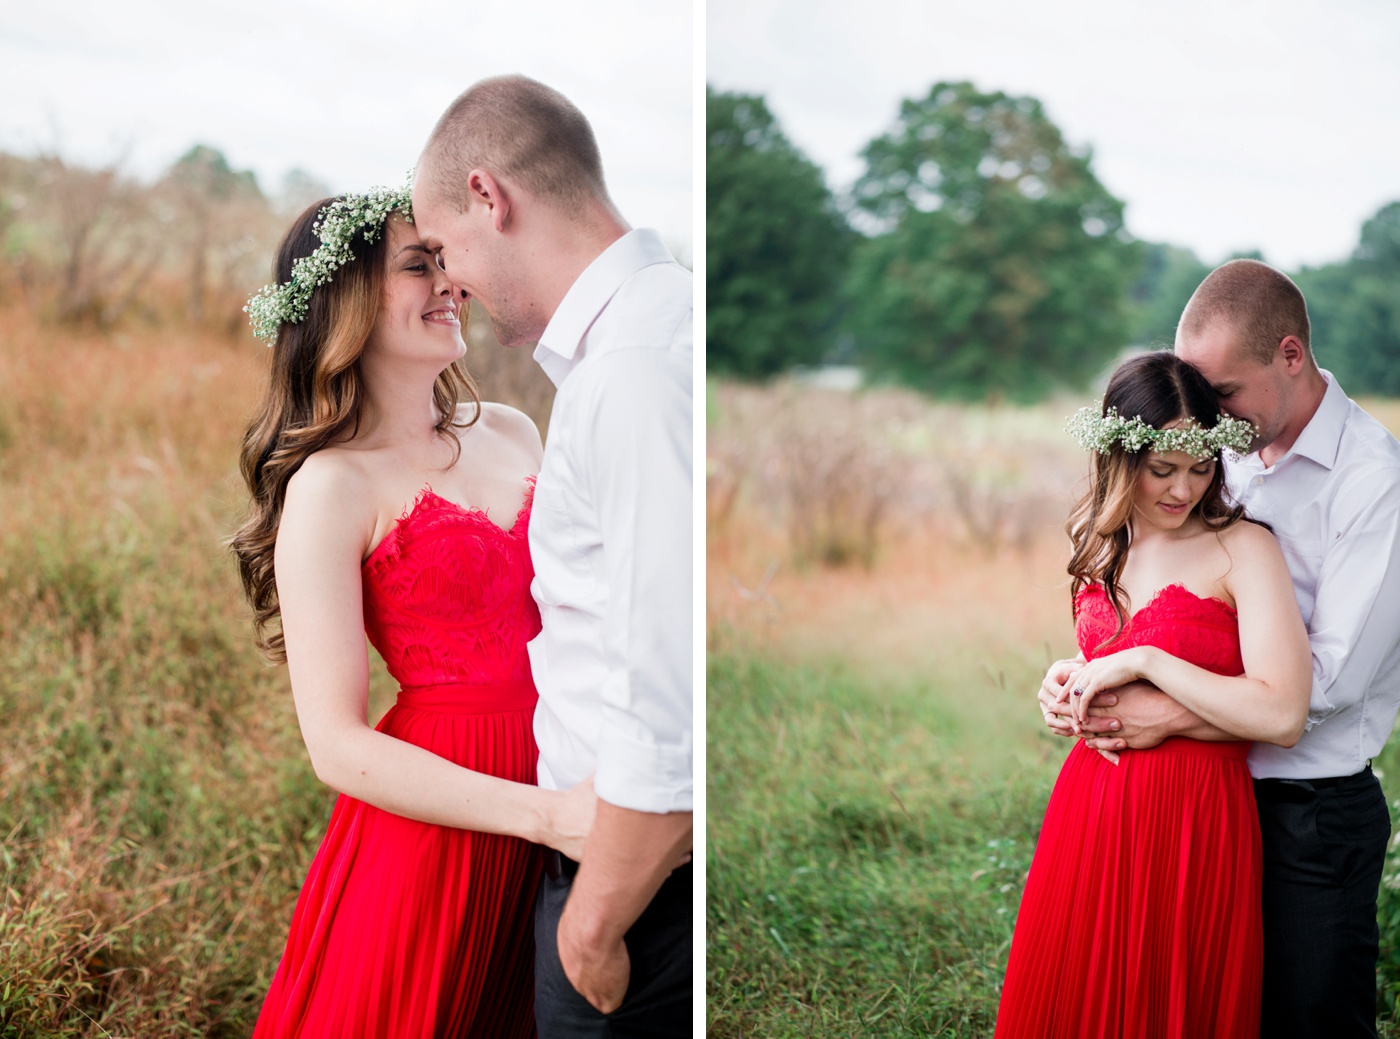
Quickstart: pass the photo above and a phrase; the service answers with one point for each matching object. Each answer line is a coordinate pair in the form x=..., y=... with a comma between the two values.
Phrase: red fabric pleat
x=406, y=929
x=1141, y=912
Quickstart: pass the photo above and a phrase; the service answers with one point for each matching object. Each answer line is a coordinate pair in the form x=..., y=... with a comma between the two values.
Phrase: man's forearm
x=1147, y=716
x=1199, y=729
x=628, y=856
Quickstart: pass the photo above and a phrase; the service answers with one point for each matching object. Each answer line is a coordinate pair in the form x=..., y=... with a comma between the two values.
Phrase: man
x=509, y=194
x=1326, y=477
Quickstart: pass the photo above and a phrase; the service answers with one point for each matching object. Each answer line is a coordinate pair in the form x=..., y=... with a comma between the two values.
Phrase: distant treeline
x=977, y=256
x=92, y=245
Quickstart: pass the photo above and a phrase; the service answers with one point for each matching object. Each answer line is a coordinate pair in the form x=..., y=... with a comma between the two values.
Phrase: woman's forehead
x=1179, y=458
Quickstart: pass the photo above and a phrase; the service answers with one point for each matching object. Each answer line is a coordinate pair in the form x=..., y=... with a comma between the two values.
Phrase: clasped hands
x=1102, y=702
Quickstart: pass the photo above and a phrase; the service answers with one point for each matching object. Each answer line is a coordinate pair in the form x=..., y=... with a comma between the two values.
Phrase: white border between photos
x=697, y=252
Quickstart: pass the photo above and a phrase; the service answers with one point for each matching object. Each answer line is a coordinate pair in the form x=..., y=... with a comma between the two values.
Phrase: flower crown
x=336, y=226
x=1096, y=432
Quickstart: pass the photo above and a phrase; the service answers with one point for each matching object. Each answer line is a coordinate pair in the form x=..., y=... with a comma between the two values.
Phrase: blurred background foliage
x=769, y=211
x=977, y=258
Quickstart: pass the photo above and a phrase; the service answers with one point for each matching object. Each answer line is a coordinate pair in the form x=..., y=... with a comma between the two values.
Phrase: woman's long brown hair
x=314, y=397
x=1160, y=388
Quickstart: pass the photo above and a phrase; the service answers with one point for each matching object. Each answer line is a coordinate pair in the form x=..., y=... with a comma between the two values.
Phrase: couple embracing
x=512, y=840
x=1212, y=850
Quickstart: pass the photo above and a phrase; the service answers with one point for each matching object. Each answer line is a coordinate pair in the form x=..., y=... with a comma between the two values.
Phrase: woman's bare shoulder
x=1251, y=547
x=1248, y=536
x=513, y=425
x=329, y=478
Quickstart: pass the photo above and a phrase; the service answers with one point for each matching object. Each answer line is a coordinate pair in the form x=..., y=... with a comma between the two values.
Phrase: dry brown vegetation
x=94, y=246
x=885, y=527
x=156, y=809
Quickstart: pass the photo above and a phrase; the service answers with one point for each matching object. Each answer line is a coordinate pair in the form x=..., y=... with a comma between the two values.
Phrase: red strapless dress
x=1141, y=914
x=405, y=929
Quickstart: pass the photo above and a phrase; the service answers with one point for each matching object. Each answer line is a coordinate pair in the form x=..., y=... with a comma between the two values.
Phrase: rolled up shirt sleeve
x=638, y=472
x=1355, y=620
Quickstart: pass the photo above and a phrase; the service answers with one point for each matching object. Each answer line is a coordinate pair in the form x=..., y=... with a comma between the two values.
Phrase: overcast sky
x=1223, y=124
x=345, y=89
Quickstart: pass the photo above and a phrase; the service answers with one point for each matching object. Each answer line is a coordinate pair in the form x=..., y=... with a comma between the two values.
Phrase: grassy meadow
x=885, y=590
x=157, y=811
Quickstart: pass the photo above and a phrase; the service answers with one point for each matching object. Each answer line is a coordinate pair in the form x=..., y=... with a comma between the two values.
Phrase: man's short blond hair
x=1259, y=302
x=519, y=129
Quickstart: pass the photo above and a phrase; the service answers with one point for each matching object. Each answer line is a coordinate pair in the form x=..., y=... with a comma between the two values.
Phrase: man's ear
x=486, y=190
x=1295, y=354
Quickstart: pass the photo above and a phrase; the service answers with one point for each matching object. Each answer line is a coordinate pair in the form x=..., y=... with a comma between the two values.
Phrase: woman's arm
x=325, y=528
x=1269, y=702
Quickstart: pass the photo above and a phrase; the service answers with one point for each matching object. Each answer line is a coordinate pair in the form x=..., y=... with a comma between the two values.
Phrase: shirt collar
x=1321, y=436
x=560, y=348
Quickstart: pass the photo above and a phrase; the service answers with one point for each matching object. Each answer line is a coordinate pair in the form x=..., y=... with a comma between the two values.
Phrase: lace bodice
x=447, y=595
x=1202, y=631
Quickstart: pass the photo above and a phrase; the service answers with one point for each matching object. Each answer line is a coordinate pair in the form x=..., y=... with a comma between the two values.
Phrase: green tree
x=775, y=244
x=1380, y=241
x=1355, y=309
x=998, y=264
x=1168, y=276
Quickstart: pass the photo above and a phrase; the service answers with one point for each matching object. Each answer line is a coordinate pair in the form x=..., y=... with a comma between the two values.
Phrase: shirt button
x=1258, y=481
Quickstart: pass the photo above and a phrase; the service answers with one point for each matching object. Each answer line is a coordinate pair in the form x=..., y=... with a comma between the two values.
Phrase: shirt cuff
x=645, y=777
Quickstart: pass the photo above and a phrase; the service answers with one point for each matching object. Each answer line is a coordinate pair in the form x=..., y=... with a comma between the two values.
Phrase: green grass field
x=863, y=873
x=862, y=878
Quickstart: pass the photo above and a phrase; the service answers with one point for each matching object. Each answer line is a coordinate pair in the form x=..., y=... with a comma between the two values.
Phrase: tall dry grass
x=157, y=812
x=882, y=527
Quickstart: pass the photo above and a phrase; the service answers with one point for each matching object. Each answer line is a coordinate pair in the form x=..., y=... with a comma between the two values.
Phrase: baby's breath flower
x=336, y=226
x=1096, y=432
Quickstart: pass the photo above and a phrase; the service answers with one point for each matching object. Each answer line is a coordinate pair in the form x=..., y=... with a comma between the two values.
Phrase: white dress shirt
x=1334, y=502
x=610, y=533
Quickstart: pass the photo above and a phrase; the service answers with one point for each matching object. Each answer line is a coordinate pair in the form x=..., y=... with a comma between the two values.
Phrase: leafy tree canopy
x=206, y=169
x=775, y=244
x=1380, y=240
x=1355, y=309
x=999, y=264
x=1168, y=276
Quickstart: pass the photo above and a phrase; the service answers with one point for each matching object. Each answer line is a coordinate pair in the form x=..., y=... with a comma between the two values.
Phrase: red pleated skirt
x=409, y=930
x=1141, y=913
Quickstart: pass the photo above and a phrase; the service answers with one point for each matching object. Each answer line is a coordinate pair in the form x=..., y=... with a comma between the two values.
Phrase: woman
x=1141, y=912
x=381, y=507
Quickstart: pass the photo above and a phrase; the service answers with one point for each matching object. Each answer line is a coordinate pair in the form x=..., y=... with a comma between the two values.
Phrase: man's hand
x=600, y=974
x=628, y=856
x=1140, y=715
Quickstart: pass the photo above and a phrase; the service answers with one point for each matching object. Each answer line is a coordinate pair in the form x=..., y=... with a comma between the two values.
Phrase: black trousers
x=1324, y=848
x=659, y=996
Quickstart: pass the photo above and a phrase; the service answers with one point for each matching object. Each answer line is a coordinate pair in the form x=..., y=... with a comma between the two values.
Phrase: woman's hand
x=1103, y=672
x=1106, y=672
x=1052, y=686
x=570, y=819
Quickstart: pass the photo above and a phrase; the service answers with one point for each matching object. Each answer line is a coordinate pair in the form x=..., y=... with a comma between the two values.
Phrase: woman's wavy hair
x=1161, y=389
x=314, y=398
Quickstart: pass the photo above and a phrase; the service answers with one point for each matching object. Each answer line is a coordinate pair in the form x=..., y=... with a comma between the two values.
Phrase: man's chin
x=513, y=336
